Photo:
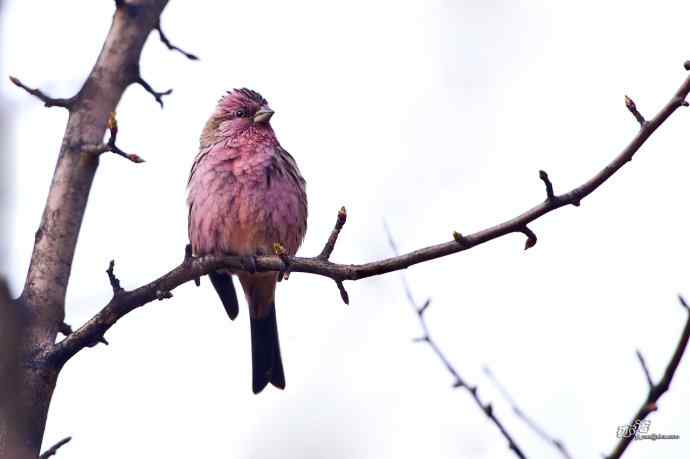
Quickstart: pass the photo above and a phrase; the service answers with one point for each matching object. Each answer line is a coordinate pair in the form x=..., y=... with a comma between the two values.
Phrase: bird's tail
x=225, y=289
x=267, y=366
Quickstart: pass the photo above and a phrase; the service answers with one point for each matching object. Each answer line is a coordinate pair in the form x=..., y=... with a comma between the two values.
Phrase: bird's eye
x=240, y=113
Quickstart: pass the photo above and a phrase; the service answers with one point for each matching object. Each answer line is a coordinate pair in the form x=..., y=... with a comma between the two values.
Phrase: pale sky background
x=435, y=116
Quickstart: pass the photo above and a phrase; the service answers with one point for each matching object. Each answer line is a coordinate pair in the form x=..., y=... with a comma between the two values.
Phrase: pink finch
x=245, y=194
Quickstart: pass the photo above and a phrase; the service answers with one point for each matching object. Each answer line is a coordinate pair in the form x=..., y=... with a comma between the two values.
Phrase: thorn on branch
x=333, y=238
x=645, y=368
x=156, y=95
x=99, y=339
x=47, y=100
x=171, y=47
x=53, y=449
x=633, y=109
x=114, y=281
x=686, y=65
x=343, y=292
x=683, y=303
x=550, y=196
x=531, y=237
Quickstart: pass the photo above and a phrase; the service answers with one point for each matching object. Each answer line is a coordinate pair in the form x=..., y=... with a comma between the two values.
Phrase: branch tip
x=156, y=94
x=645, y=369
x=40, y=95
x=531, y=237
x=53, y=449
x=171, y=47
x=550, y=196
x=333, y=238
x=114, y=281
x=632, y=108
x=343, y=293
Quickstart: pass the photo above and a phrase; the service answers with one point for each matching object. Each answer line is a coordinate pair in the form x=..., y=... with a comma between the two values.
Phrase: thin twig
x=156, y=94
x=635, y=112
x=645, y=369
x=111, y=146
x=459, y=382
x=555, y=442
x=550, y=196
x=655, y=391
x=333, y=238
x=47, y=100
x=172, y=47
x=53, y=449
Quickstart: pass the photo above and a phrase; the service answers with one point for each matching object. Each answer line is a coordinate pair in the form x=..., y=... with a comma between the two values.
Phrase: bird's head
x=242, y=109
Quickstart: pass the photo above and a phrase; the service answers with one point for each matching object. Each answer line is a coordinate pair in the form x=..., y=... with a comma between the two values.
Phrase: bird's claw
x=249, y=263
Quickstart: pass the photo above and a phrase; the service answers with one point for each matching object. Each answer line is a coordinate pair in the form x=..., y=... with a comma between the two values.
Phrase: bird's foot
x=249, y=263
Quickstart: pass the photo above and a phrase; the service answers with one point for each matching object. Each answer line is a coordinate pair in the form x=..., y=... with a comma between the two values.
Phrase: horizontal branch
x=655, y=391
x=194, y=268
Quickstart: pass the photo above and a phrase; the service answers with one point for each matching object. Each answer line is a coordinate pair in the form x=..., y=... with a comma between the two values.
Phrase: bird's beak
x=263, y=115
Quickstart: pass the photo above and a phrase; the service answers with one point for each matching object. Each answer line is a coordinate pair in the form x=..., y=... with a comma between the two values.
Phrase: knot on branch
x=47, y=100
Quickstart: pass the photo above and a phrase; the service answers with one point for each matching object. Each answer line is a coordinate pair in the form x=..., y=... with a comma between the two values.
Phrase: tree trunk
x=30, y=324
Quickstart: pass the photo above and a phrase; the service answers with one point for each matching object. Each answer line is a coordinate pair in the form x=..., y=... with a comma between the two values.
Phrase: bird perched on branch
x=245, y=194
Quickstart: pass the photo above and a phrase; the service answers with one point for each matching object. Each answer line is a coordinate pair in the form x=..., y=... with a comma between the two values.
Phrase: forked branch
x=195, y=268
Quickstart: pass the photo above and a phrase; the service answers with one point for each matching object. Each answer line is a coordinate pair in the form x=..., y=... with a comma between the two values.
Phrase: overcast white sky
x=435, y=116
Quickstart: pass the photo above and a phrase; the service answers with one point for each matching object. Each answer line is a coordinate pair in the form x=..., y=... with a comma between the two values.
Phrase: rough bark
x=40, y=307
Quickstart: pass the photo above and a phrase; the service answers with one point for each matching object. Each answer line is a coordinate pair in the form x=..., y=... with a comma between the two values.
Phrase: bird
x=246, y=196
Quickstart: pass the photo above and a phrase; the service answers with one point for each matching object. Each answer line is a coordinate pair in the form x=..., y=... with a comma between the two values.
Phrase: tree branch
x=111, y=146
x=53, y=449
x=47, y=100
x=171, y=47
x=655, y=391
x=156, y=94
x=459, y=382
x=536, y=428
x=195, y=268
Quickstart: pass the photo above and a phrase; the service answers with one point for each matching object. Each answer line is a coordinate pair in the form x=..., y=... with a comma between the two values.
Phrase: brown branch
x=156, y=94
x=656, y=391
x=47, y=100
x=195, y=268
x=49, y=270
x=333, y=238
x=459, y=382
x=555, y=442
x=630, y=104
x=53, y=449
x=550, y=196
x=172, y=47
x=111, y=146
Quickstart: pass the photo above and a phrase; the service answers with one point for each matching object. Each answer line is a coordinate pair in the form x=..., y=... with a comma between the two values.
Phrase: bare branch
x=549, y=186
x=645, y=369
x=656, y=391
x=459, y=382
x=171, y=47
x=47, y=100
x=53, y=449
x=333, y=238
x=111, y=146
x=556, y=443
x=195, y=268
x=633, y=109
x=114, y=281
x=156, y=95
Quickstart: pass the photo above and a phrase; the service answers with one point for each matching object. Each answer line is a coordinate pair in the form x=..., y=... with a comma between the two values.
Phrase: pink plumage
x=245, y=194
